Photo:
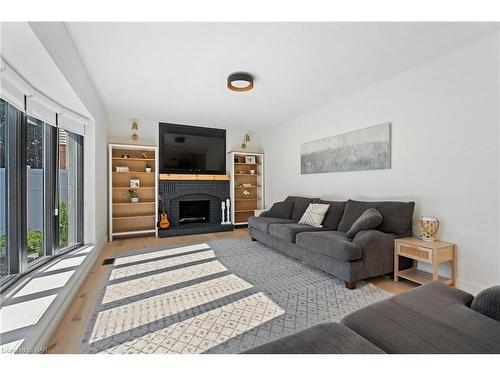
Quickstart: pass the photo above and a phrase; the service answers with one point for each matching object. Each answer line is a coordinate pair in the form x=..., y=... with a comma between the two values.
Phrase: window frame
x=16, y=195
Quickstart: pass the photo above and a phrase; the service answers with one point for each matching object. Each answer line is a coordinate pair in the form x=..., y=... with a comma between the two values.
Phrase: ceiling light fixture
x=240, y=82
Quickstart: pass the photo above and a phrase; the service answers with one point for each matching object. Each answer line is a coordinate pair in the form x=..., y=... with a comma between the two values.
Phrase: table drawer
x=415, y=252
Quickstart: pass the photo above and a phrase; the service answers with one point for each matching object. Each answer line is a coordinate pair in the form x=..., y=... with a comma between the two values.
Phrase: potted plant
x=133, y=196
x=148, y=167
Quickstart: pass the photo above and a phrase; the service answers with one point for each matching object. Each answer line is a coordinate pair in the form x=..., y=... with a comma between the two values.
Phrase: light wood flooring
x=67, y=336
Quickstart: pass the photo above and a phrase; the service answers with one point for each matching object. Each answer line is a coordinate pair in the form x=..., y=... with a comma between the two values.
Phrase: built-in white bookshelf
x=246, y=187
x=127, y=165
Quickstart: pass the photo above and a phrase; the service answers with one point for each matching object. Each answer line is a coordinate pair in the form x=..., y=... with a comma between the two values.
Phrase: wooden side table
x=434, y=253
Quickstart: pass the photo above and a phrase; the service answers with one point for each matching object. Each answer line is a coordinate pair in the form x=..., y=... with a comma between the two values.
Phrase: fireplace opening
x=194, y=212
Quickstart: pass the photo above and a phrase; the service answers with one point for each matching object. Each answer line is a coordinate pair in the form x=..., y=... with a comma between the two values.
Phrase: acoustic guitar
x=163, y=223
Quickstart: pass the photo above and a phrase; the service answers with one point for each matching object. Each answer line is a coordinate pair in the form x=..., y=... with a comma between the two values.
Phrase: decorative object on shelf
x=223, y=209
x=359, y=150
x=135, y=130
x=133, y=196
x=122, y=169
x=148, y=167
x=246, y=140
x=246, y=192
x=429, y=225
x=246, y=185
x=240, y=82
x=125, y=156
x=144, y=155
x=228, y=215
x=250, y=159
x=252, y=171
x=135, y=183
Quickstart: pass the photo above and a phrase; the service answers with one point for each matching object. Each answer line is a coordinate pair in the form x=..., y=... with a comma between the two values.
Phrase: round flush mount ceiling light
x=240, y=82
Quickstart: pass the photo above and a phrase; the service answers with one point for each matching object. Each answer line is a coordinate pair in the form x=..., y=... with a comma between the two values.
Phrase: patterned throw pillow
x=314, y=214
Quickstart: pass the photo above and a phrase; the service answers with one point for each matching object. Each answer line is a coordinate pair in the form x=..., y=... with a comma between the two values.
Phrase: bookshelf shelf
x=245, y=199
x=127, y=218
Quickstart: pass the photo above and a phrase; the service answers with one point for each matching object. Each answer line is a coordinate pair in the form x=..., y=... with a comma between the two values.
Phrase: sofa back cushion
x=282, y=210
x=333, y=215
x=300, y=205
x=487, y=302
x=398, y=216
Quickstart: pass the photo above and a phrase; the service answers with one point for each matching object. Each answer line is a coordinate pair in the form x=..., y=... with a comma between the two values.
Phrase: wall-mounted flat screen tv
x=191, y=149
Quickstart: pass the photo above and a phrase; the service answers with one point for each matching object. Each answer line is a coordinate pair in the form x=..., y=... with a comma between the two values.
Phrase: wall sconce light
x=135, y=130
x=246, y=140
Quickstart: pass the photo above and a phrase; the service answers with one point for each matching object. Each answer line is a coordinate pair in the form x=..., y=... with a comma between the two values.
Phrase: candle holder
x=228, y=207
x=223, y=209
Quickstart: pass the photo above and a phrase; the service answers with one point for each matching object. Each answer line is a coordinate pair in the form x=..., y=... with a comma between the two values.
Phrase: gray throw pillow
x=487, y=302
x=370, y=219
x=281, y=210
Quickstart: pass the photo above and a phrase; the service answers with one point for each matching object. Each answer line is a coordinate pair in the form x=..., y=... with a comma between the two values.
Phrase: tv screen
x=192, y=149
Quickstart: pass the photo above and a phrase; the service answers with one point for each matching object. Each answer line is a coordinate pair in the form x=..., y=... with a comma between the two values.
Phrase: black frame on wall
x=17, y=193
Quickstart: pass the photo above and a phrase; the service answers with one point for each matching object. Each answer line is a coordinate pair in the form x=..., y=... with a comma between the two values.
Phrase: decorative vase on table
x=429, y=226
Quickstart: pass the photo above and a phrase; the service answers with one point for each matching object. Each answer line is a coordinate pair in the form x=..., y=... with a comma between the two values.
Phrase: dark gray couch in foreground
x=433, y=318
x=369, y=254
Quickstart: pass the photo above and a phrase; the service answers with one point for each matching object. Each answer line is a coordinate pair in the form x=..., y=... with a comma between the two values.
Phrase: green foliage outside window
x=35, y=242
x=63, y=224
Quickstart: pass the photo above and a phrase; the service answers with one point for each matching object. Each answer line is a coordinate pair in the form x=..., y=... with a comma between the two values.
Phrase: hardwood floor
x=67, y=336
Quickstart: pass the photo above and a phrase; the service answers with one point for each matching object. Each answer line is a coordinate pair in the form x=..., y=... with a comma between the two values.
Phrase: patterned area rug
x=223, y=296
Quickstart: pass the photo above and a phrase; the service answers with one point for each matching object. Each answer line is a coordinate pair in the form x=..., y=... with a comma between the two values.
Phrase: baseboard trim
x=472, y=288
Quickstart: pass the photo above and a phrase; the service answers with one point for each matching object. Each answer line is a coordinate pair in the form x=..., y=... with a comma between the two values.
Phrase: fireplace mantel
x=193, y=177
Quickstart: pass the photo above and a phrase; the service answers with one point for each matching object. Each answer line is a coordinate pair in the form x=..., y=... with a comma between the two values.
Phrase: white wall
x=119, y=131
x=445, y=151
x=56, y=40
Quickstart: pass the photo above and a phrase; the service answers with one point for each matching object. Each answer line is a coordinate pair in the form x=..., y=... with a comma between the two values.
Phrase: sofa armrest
x=378, y=252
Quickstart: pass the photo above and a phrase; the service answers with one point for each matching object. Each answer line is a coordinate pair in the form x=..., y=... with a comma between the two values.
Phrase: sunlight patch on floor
x=128, y=316
x=156, y=265
x=207, y=330
x=149, y=255
x=160, y=280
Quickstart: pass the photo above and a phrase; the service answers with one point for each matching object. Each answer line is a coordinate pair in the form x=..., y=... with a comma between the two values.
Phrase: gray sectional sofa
x=369, y=254
x=431, y=319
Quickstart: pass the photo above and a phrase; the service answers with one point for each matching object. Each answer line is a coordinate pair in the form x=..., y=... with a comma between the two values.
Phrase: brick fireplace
x=193, y=207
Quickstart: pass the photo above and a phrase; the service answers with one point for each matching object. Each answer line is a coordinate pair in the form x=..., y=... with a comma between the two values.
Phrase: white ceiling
x=21, y=48
x=176, y=72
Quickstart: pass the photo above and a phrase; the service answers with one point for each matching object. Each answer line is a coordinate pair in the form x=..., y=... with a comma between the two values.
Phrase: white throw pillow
x=314, y=215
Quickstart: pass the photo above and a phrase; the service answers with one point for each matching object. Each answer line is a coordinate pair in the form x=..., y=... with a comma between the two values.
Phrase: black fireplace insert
x=194, y=212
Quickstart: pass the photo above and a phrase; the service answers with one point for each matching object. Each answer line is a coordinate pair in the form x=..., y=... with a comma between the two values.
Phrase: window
x=41, y=191
x=35, y=183
x=4, y=256
x=70, y=188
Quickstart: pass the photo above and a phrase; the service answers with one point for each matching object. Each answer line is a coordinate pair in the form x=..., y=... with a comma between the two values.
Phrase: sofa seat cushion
x=330, y=243
x=327, y=338
x=433, y=318
x=288, y=232
x=262, y=223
